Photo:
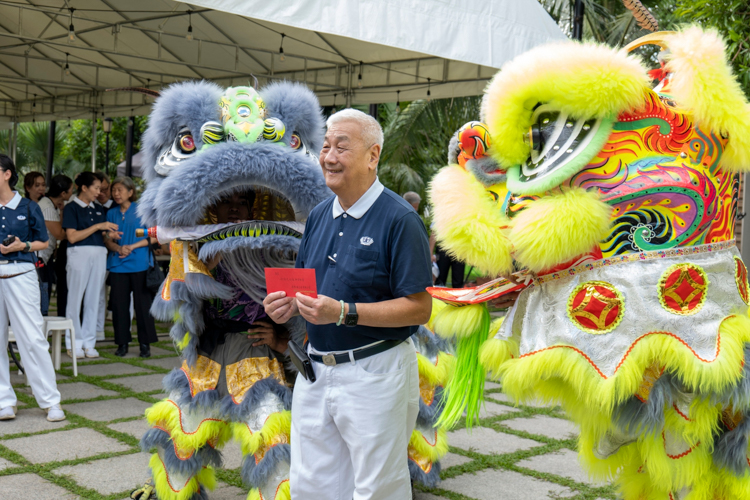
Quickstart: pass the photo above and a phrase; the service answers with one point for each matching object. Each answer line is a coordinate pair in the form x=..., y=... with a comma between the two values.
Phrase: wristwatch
x=351, y=317
x=28, y=247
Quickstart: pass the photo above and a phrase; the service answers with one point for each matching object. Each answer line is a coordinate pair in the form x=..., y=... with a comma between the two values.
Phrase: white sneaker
x=8, y=413
x=79, y=354
x=91, y=352
x=100, y=336
x=55, y=413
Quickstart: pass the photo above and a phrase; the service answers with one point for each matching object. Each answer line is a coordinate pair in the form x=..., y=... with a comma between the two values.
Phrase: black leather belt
x=334, y=359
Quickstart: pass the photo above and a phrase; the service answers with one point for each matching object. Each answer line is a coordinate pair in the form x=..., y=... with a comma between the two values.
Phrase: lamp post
x=107, y=127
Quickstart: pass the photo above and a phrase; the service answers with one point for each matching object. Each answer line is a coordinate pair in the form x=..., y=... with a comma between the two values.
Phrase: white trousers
x=87, y=266
x=351, y=428
x=102, y=316
x=20, y=302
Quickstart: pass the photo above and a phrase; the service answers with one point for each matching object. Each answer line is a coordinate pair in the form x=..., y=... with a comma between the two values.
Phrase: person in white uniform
x=22, y=227
x=85, y=223
x=369, y=248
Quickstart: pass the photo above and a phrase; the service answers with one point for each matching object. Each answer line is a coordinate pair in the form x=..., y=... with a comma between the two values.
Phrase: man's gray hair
x=412, y=197
x=372, y=132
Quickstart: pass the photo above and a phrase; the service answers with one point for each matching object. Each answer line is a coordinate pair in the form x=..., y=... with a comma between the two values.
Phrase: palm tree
x=31, y=152
x=416, y=140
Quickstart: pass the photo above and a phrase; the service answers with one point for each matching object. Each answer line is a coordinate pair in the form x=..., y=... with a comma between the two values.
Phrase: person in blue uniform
x=351, y=426
x=129, y=259
x=85, y=223
x=22, y=222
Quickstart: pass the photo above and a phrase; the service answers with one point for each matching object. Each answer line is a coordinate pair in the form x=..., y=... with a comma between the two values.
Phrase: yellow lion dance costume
x=619, y=202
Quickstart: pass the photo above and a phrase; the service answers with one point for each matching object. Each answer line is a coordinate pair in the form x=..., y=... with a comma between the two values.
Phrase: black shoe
x=122, y=350
x=145, y=351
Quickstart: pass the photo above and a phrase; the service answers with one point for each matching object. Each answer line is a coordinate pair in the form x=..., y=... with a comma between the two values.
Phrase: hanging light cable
x=428, y=90
x=398, y=100
x=359, y=77
x=281, y=49
x=71, y=29
x=190, y=26
x=67, y=66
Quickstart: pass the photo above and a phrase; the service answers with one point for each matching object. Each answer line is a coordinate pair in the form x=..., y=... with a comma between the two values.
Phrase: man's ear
x=374, y=155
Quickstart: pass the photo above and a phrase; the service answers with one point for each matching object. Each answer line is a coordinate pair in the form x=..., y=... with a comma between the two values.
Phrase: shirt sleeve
x=410, y=257
x=38, y=228
x=70, y=217
x=50, y=211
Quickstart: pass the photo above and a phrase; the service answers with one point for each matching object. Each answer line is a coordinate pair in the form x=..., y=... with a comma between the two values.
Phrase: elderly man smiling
x=369, y=249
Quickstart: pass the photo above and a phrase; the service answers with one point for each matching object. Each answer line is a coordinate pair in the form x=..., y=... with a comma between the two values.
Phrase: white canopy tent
x=400, y=48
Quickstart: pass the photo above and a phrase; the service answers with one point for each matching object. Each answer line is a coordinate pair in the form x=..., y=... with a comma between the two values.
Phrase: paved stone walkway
x=518, y=453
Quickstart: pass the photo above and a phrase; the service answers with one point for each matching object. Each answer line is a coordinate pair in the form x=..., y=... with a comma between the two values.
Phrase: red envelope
x=291, y=281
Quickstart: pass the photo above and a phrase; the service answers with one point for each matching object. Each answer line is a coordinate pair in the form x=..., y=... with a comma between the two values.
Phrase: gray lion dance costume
x=234, y=174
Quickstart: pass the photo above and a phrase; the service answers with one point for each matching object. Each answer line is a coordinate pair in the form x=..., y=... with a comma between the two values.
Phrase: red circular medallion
x=596, y=307
x=682, y=289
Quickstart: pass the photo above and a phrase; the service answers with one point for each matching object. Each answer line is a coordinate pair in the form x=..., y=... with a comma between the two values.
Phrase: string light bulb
x=71, y=29
x=428, y=91
x=281, y=49
x=398, y=100
x=359, y=77
x=34, y=105
x=190, y=26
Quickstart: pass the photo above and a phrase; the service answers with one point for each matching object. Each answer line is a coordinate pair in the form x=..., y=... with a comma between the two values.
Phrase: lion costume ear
x=469, y=222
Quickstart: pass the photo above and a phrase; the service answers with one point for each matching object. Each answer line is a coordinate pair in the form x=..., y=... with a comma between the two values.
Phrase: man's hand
x=264, y=334
x=279, y=307
x=125, y=250
x=505, y=301
x=320, y=311
x=16, y=246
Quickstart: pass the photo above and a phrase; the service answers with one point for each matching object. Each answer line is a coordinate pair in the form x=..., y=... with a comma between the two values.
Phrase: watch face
x=351, y=319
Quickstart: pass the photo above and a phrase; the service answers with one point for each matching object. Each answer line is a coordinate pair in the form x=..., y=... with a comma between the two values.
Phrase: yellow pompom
x=559, y=227
x=459, y=321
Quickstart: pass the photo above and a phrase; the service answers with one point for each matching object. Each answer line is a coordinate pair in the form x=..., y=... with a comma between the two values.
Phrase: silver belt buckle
x=329, y=360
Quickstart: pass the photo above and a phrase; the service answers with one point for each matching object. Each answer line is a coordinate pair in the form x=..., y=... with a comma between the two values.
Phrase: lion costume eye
x=295, y=142
x=186, y=143
x=182, y=148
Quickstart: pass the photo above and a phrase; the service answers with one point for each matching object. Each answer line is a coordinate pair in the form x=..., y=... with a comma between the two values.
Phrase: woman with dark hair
x=85, y=224
x=34, y=185
x=60, y=191
x=129, y=259
x=23, y=232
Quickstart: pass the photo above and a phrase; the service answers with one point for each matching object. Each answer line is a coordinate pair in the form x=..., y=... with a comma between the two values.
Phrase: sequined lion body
x=621, y=204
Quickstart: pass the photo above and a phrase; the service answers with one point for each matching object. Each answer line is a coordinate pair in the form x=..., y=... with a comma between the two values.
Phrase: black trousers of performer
x=121, y=286
x=446, y=262
x=61, y=260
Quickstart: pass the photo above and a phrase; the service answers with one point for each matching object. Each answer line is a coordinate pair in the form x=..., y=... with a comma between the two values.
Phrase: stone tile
x=167, y=363
x=135, y=428
x=82, y=390
x=32, y=486
x=555, y=428
x=490, y=484
x=6, y=464
x=29, y=420
x=134, y=350
x=104, y=411
x=490, y=409
x=491, y=385
x=20, y=379
x=452, y=459
x=426, y=496
x=224, y=491
x=232, y=455
x=109, y=475
x=563, y=463
x=64, y=358
x=68, y=445
x=109, y=370
x=488, y=441
x=499, y=396
x=141, y=383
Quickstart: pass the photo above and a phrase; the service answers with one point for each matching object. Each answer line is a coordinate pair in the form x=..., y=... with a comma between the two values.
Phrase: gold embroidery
x=177, y=268
x=591, y=305
x=679, y=287
x=650, y=376
x=277, y=439
x=740, y=278
x=731, y=417
x=243, y=374
x=204, y=376
x=422, y=461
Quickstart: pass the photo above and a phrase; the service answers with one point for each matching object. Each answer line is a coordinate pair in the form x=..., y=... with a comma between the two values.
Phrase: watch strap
x=352, y=317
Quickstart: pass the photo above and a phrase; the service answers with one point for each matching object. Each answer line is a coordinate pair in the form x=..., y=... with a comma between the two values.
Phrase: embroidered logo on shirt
x=366, y=240
x=21, y=217
x=98, y=213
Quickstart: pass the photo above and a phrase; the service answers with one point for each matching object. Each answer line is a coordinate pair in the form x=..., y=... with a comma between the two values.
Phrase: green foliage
x=417, y=137
x=732, y=19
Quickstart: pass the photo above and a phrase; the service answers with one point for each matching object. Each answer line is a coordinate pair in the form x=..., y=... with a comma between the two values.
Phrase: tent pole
x=350, y=70
x=129, y=147
x=50, y=149
x=578, y=20
x=14, y=145
x=374, y=111
x=93, y=142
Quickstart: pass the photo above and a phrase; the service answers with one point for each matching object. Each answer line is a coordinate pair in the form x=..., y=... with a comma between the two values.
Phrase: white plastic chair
x=12, y=338
x=57, y=325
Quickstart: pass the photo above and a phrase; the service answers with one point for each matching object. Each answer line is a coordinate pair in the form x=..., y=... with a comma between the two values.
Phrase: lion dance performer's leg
x=429, y=442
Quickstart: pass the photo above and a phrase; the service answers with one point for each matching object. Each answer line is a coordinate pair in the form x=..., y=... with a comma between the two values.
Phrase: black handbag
x=154, y=274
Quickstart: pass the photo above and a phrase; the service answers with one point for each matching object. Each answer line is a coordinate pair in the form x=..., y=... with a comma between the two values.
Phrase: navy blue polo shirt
x=377, y=250
x=22, y=218
x=77, y=215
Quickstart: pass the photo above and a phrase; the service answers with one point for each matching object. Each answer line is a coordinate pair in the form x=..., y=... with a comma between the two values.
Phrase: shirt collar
x=13, y=203
x=363, y=204
x=82, y=204
x=108, y=204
